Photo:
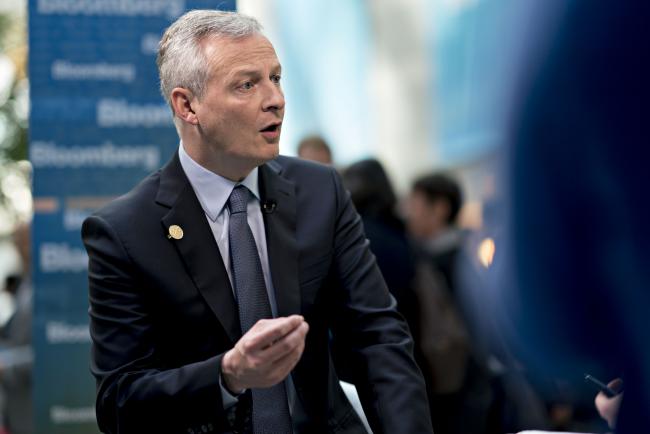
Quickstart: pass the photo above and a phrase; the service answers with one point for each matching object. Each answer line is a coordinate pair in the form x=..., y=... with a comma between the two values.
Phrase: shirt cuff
x=227, y=398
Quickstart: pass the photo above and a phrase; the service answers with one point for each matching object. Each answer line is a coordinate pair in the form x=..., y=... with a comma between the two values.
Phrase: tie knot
x=238, y=200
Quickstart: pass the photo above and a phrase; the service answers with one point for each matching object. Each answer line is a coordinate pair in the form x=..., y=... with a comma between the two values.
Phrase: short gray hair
x=181, y=61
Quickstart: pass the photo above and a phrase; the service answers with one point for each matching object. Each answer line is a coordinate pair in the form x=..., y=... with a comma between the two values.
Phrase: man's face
x=316, y=154
x=425, y=219
x=240, y=114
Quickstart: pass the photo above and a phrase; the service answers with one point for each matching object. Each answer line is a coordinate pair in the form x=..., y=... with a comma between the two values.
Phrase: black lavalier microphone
x=268, y=206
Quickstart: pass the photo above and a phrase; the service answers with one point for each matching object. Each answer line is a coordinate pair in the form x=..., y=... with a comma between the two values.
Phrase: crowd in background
x=435, y=271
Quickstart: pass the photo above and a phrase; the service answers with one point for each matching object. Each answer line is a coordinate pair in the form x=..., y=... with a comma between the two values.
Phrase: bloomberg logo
x=120, y=113
x=127, y=8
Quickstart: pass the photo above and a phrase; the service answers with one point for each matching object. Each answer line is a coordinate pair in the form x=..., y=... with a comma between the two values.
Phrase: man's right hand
x=266, y=354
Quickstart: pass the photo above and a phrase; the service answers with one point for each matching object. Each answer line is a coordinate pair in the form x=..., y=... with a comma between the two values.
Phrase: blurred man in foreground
x=215, y=283
x=578, y=242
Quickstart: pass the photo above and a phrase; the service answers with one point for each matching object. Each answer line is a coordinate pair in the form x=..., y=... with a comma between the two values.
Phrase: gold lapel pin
x=175, y=232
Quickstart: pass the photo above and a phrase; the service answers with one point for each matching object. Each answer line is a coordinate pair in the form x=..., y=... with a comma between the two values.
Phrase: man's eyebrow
x=244, y=71
x=254, y=71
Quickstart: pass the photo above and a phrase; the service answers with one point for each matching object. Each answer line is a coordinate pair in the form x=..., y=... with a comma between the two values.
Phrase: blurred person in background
x=315, y=148
x=432, y=209
x=421, y=291
x=475, y=384
x=375, y=200
x=15, y=345
x=459, y=385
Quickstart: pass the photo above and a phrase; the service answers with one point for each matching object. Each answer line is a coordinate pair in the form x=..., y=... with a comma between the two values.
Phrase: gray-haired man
x=215, y=284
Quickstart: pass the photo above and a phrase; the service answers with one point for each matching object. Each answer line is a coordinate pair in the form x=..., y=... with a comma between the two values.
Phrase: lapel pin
x=175, y=232
x=268, y=206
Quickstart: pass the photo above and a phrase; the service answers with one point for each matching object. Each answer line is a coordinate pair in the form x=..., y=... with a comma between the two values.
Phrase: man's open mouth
x=272, y=128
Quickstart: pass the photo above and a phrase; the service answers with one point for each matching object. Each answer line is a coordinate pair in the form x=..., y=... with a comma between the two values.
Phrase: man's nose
x=273, y=98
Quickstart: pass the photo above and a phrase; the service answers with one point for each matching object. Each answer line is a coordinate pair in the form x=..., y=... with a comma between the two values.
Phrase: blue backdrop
x=98, y=125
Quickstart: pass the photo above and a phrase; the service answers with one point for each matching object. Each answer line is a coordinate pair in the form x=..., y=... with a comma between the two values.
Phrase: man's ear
x=182, y=101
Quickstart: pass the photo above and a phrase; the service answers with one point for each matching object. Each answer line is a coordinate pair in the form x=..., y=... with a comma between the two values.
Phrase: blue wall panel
x=97, y=126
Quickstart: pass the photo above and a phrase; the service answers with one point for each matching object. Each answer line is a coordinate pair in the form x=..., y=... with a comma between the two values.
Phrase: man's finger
x=286, y=344
x=616, y=384
x=282, y=367
x=266, y=332
x=289, y=361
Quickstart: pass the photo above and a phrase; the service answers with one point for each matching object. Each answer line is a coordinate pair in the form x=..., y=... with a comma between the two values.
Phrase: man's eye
x=276, y=78
x=247, y=85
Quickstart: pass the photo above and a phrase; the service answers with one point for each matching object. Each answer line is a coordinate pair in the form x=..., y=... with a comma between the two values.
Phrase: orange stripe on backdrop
x=46, y=205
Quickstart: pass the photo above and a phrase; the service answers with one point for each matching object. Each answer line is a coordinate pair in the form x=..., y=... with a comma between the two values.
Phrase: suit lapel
x=280, y=225
x=197, y=247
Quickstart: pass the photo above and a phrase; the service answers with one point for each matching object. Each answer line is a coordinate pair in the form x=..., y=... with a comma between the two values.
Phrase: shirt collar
x=211, y=189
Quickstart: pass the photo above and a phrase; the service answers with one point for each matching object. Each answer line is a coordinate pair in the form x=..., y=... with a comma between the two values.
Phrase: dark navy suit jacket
x=163, y=314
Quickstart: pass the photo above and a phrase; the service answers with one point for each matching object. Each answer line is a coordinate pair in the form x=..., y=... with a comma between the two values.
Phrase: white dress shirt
x=213, y=192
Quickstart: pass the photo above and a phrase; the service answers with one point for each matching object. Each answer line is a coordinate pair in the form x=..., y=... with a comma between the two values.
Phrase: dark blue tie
x=270, y=407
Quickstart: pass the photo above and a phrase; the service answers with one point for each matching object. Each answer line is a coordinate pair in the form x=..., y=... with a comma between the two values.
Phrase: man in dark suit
x=218, y=282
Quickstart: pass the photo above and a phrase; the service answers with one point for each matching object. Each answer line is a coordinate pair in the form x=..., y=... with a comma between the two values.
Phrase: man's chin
x=267, y=155
x=272, y=150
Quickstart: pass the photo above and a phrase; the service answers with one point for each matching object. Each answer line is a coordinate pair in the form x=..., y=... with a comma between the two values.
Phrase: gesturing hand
x=266, y=354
